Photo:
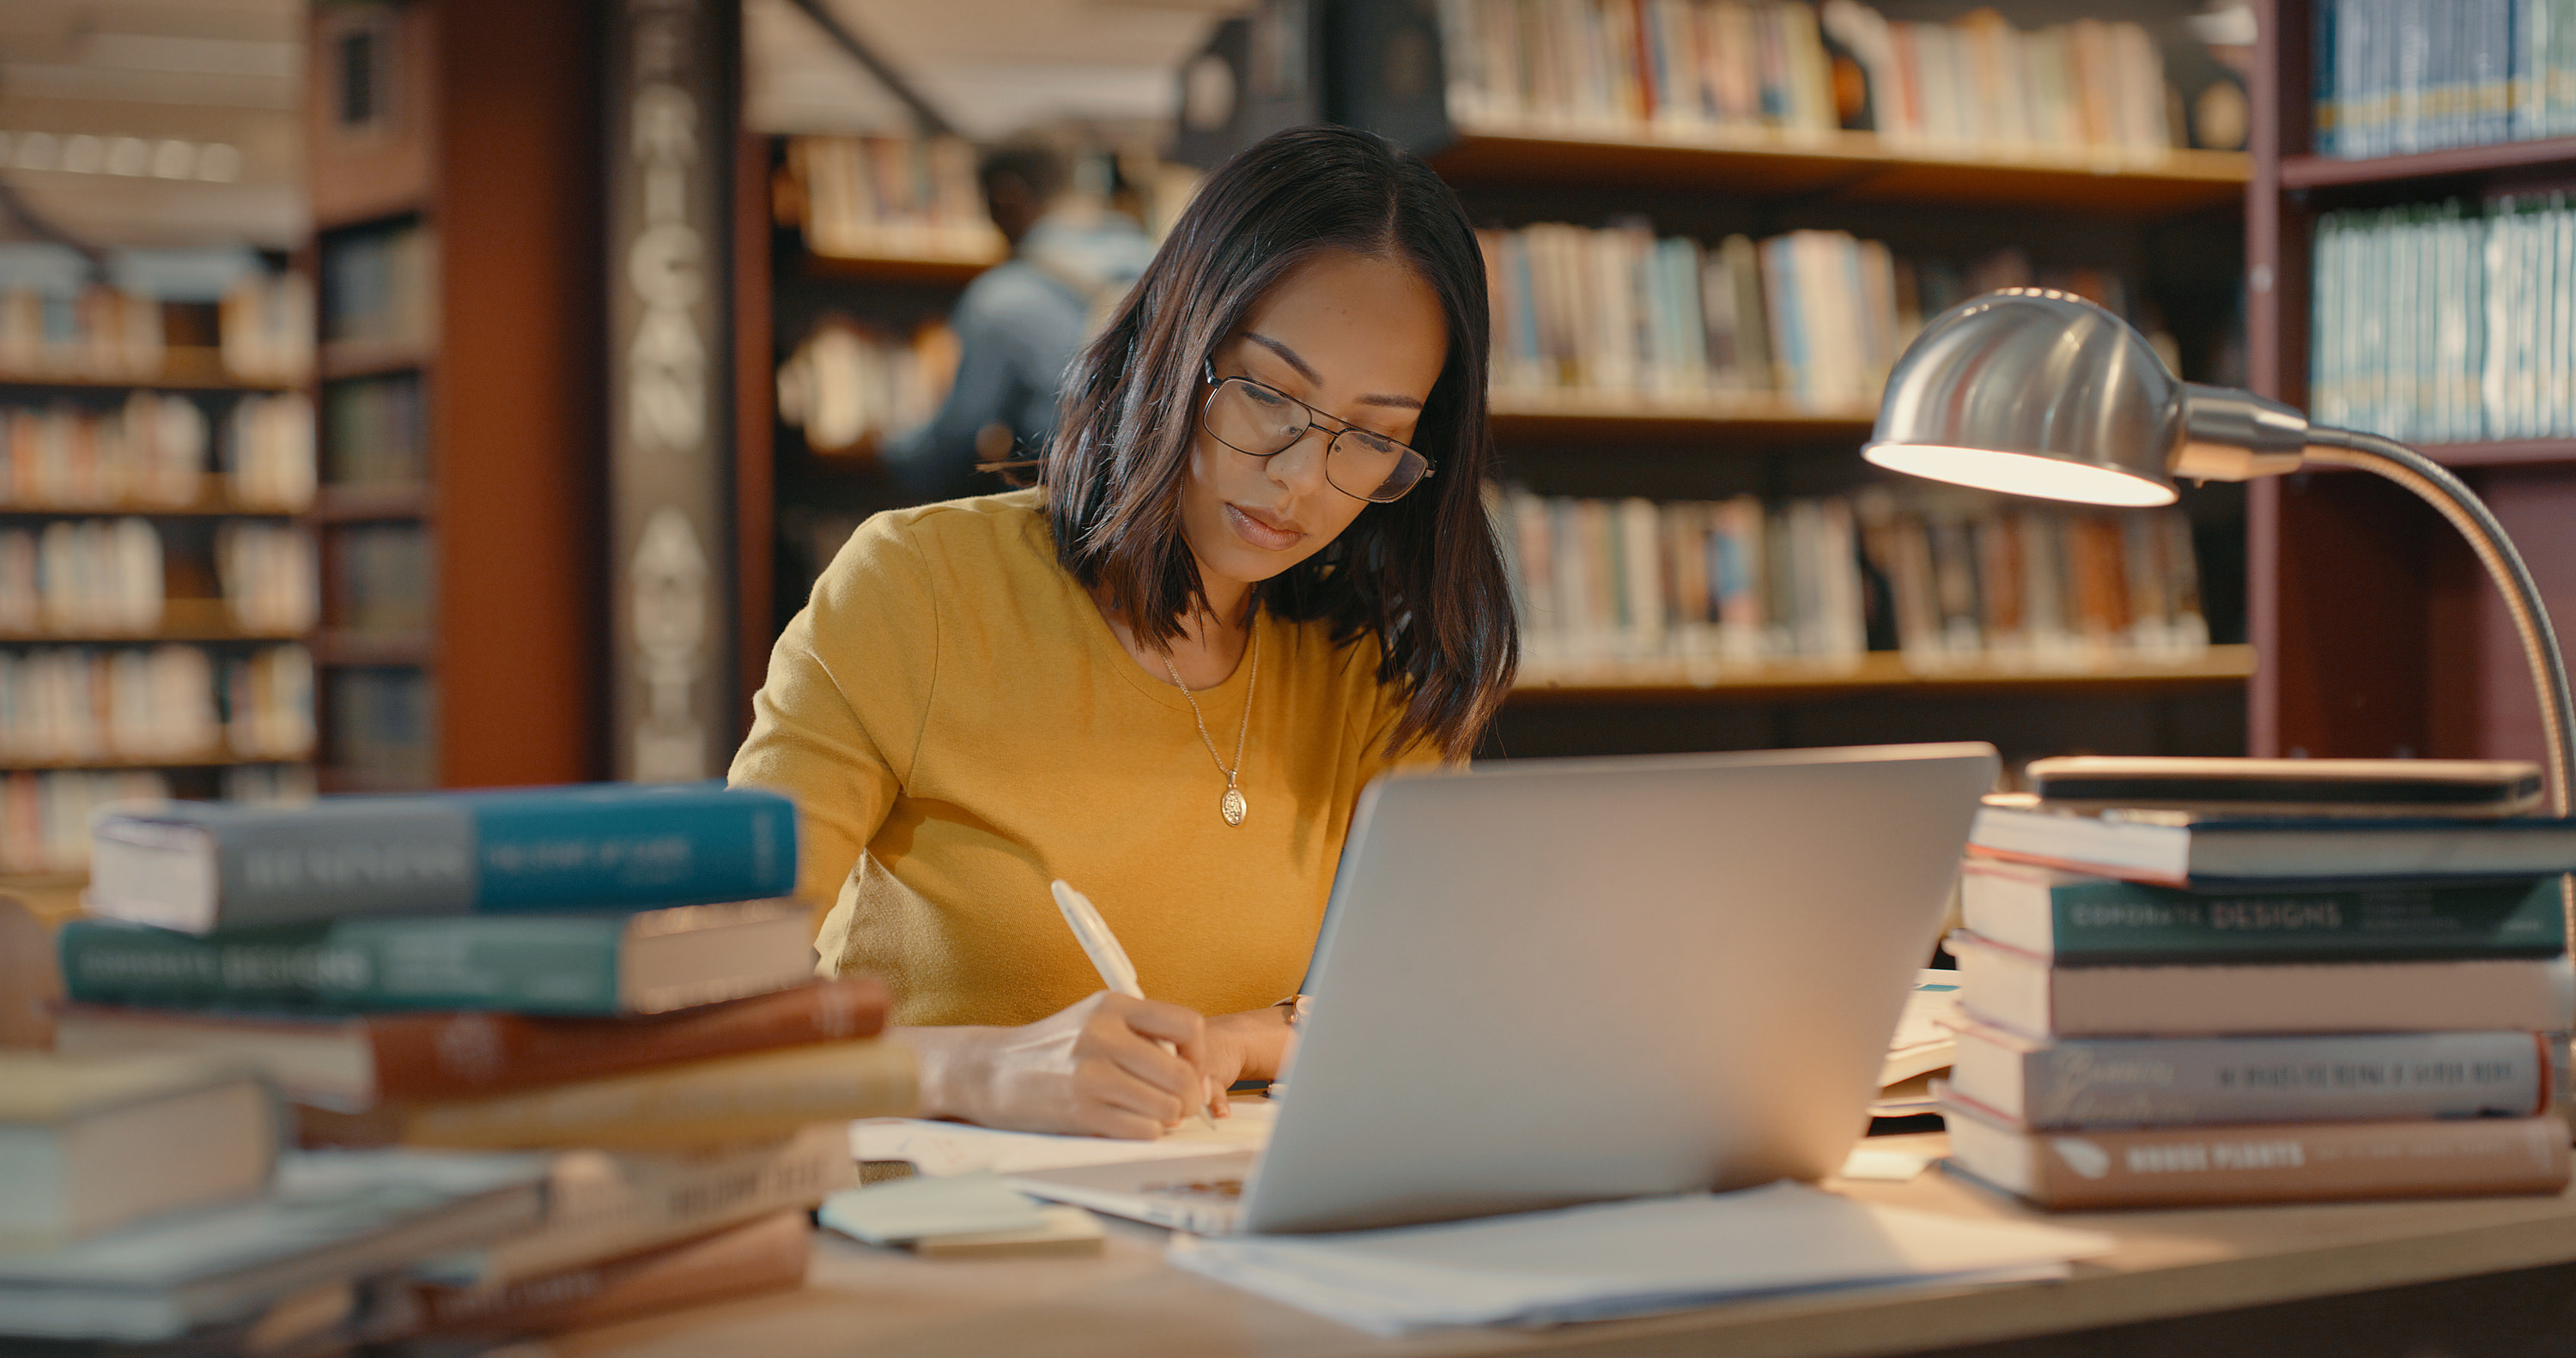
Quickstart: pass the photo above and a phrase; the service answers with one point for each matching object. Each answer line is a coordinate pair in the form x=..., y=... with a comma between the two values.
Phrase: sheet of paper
x=1628, y=1258
x=944, y=1148
x=910, y=1209
x=1923, y=1040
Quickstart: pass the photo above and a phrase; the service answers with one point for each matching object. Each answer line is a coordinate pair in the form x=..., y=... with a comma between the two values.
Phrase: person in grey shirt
x=1019, y=324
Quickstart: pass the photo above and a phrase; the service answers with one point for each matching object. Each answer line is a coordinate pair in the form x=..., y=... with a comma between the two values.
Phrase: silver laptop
x=1557, y=981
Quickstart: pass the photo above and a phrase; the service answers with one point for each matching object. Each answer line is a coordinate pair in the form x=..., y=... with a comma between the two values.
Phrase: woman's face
x=1357, y=337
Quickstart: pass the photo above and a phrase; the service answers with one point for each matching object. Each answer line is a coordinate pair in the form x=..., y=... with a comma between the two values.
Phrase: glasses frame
x=1315, y=419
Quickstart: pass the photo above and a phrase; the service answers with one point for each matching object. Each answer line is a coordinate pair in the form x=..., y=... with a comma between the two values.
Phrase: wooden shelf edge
x=1878, y=671
x=2322, y=172
x=1573, y=411
x=188, y=378
x=2499, y=453
x=344, y=359
x=358, y=504
x=935, y=270
x=104, y=763
x=351, y=650
x=198, y=509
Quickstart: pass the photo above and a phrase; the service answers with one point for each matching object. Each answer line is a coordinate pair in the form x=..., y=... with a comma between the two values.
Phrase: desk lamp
x=2036, y=392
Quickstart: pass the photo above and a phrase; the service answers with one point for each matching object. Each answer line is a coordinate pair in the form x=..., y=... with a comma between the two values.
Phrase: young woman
x=1255, y=574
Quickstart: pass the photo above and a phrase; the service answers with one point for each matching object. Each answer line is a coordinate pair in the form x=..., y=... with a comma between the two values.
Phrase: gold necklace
x=1231, y=806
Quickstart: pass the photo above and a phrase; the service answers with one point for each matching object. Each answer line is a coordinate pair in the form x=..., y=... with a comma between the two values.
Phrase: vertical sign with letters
x=670, y=131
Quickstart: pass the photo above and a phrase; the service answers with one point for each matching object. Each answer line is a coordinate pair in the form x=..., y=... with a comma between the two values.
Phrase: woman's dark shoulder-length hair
x=1421, y=573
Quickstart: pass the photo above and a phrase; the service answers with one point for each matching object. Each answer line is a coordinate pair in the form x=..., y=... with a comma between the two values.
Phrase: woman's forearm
x=954, y=1064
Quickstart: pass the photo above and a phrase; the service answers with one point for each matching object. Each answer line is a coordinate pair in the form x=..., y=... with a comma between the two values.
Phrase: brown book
x=765, y=1255
x=755, y=1096
x=2273, y=1162
x=350, y=1064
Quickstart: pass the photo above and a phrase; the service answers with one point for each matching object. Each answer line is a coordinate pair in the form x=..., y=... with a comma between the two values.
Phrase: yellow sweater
x=958, y=725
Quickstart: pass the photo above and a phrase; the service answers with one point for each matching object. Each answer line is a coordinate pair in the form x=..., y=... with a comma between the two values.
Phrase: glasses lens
x=1373, y=467
x=1253, y=419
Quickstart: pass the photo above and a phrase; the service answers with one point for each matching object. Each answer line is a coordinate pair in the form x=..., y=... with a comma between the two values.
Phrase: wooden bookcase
x=2378, y=633
x=475, y=121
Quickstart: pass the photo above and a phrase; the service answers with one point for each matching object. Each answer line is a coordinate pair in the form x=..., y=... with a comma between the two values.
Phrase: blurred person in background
x=1021, y=322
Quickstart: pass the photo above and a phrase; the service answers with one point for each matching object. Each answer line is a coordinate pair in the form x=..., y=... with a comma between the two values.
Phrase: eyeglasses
x=1250, y=418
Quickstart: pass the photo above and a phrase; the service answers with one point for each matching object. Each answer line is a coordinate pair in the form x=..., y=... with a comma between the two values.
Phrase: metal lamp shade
x=2033, y=392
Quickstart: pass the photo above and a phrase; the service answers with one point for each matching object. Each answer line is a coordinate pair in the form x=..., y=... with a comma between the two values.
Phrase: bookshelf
x=1884, y=672
x=454, y=169
x=2378, y=631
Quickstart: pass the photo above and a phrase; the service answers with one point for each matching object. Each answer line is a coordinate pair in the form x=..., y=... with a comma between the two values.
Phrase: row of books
x=375, y=432
x=1975, y=85
x=268, y=460
x=381, y=579
x=1817, y=317
x=554, y=1087
x=85, y=576
x=384, y=719
x=269, y=576
x=380, y=288
x=45, y=817
x=62, y=704
x=851, y=386
x=98, y=333
x=153, y=450
x=2198, y=1000
x=2394, y=78
x=2447, y=323
x=1948, y=581
x=904, y=197
x=265, y=326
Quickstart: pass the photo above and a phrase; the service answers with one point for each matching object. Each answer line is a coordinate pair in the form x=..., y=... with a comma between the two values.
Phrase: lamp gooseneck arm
x=2461, y=505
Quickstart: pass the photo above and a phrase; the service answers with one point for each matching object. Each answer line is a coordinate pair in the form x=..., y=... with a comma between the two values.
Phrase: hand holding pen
x=1107, y=956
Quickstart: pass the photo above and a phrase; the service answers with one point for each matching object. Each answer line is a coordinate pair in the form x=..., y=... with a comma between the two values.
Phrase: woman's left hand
x=1252, y=1045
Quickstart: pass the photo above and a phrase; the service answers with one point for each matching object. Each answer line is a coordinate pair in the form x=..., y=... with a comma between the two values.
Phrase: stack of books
x=2227, y=981
x=601, y=982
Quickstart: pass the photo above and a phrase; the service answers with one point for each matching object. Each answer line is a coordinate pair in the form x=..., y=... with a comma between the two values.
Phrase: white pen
x=1109, y=959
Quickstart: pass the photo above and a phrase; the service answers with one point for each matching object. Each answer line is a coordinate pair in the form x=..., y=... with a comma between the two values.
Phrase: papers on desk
x=1628, y=1259
x=944, y=1148
x=1924, y=1040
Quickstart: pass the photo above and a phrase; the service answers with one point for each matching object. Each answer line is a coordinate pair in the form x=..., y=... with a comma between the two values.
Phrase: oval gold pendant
x=1232, y=808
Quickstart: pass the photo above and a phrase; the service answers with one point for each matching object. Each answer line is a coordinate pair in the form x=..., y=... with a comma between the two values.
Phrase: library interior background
x=462, y=393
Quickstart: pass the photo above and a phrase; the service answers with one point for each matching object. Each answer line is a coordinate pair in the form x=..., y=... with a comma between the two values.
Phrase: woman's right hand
x=1097, y=1068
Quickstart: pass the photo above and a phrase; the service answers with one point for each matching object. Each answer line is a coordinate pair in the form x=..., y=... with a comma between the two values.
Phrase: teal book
x=204, y=866
x=645, y=962
x=2077, y=920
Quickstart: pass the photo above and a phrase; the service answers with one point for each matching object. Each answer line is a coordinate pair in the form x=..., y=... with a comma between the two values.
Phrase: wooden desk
x=2183, y=1263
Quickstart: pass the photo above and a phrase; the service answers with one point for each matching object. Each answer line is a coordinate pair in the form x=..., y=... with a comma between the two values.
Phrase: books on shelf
x=65, y=703
x=380, y=289
x=376, y=431
x=45, y=817
x=268, y=460
x=2393, y=79
x=2446, y=323
x=96, y=332
x=894, y=197
x=385, y=721
x=73, y=1127
x=269, y=575
x=851, y=386
x=1808, y=321
x=268, y=705
x=266, y=328
x=1973, y=581
x=382, y=579
x=148, y=449
x=609, y=847
x=86, y=576
x=1739, y=69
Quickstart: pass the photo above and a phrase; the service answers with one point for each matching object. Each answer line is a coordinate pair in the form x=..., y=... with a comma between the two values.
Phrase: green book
x=2079, y=920
x=639, y=963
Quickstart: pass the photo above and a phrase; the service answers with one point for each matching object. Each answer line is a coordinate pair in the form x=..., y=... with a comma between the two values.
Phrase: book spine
x=431, y=1057
x=766, y=1255
x=2291, y=1162
x=605, y=1206
x=2219, y=1081
x=557, y=965
x=2114, y=922
x=734, y=1099
x=2023, y=993
x=628, y=848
